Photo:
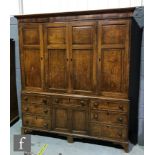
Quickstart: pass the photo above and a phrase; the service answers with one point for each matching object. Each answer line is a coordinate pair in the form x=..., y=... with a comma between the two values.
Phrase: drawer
x=36, y=109
x=109, y=132
x=72, y=102
x=108, y=117
x=37, y=122
x=111, y=105
x=35, y=99
x=99, y=104
x=79, y=102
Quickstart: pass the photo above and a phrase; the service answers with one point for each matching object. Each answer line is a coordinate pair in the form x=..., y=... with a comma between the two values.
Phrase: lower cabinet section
x=77, y=116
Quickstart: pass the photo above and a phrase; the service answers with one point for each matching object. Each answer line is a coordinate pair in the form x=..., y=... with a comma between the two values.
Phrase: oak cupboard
x=80, y=74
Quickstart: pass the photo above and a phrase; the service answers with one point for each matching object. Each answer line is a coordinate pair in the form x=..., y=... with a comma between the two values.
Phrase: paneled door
x=31, y=47
x=113, y=58
x=82, y=40
x=57, y=56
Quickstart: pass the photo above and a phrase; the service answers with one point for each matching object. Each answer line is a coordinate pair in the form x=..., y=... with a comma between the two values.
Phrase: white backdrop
x=47, y=6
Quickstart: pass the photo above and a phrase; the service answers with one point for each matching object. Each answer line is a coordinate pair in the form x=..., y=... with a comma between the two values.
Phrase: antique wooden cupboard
x=80, y=74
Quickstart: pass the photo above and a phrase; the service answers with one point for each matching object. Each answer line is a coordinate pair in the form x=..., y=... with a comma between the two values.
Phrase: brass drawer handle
x=120, y=134
x=45, y=111
x=82, y=103
x=26, y=98
x=44, y=101
x=120, y=119
x=46, y=125
x=56, y=100
x=96, y=116
x=96, y=104
x=26, y=109
x=121, y=107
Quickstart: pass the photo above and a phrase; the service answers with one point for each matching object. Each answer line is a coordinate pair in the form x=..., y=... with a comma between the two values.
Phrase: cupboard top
x=78, y=15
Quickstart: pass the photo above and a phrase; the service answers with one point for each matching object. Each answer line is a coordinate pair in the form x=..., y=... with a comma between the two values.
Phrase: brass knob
x=96, y=116
x=82, y=103
x=120, y=134
x=121, y=107
x=96, y=104
x=56, y=100
x=45, y=125
x=120, y=119
x=45, y=101
x=46, y=111
x=26, y=98
x=26, y=109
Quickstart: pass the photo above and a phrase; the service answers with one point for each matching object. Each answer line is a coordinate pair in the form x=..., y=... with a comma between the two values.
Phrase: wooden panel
x=113, y=34
x=82, y=69
x=31, y=36
x=32, y=68
x=82, y=35
x=111, y=70
x=61, y=119
x=56, y=35
x=57, y=69
x=79, y=121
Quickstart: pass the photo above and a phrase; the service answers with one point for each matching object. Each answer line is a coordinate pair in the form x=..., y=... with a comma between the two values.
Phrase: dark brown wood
x=14, y=116
x=75, y=73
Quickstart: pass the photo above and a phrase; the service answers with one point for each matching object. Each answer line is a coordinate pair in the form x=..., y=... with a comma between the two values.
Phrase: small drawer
x=114, y=132
x=60, y=101
x=108, y=117
x=36, y=109
x=99, y=104
x=109, y=132
x=119, y=106
x=35, y=99
x=36, y=121
x=79, y=102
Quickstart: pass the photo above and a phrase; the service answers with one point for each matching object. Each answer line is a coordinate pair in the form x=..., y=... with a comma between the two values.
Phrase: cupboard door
x=56, y=53
x=60, y=118
x=113, y=58
x=31, y=47
x=79, y=121
x=82, y=51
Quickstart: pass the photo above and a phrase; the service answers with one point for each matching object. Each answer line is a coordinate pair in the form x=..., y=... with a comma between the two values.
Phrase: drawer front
x=113, y=132
x=36, y=109
x=109, y=132
x=116, y=106
x=37, y=122
x=35, y=99
x=108, y=117
x=71, y=102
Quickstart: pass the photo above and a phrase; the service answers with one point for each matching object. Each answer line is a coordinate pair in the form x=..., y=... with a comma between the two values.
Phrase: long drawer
x=36, y=121
x=98, y=104
x=36, y=109
x=109, y=117
x=109, y=132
